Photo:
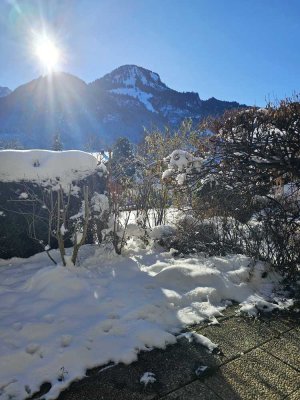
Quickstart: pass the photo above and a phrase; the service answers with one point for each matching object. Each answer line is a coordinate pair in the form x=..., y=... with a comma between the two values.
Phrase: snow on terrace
x=56, y=322
x=47, y=167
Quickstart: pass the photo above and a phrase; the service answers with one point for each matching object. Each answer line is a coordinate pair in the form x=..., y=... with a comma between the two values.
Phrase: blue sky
x=244, y=50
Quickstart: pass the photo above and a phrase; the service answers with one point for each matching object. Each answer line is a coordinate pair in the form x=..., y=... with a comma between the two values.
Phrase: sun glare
x=48, y=53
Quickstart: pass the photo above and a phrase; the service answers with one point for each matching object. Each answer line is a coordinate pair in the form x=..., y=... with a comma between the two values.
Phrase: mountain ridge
x=121, y=103
x=4, y=91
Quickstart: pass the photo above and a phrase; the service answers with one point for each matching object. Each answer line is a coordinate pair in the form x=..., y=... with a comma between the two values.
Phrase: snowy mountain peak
x=4, y=91
x=133, y=76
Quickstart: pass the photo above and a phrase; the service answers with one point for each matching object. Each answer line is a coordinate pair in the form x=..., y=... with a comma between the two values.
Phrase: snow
x=23, y=195
x=200, y=370
x=180, y=178
x=58, y=321
x=154, y=76
x=143, y=97
x=133, y=73
x=175, y=114
x=45, y=167
x=100, y=203
x=181, y=162
x=162, y=231
x=148, y=377
x=167, y=174
x=63, y=230
x=203, y=340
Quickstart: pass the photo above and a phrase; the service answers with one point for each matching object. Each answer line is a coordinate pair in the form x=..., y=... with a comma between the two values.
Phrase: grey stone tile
x=256, y=375
x=231, y=311
x=238, y=335
x=280, y=322
x=287, y=348
x=176, y=366
x=219, y=385
x=103, y=391
x=194, y=391
x=294, y=396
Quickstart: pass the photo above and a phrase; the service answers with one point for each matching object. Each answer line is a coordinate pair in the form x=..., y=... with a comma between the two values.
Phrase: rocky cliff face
x=122, y=103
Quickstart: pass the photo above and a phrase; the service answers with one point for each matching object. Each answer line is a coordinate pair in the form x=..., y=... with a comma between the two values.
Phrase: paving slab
x=115, y=382
x=219, y=385
x=103, y=391
x=286, y=348
x=294, y=396
x=194, y=391
x=281, y=321
x=238, y=335
x=173, y=367
x=230, y=311
x=256, y=375
x=177, y=365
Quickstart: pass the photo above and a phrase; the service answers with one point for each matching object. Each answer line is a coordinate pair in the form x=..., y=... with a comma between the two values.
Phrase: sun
x=47, y=52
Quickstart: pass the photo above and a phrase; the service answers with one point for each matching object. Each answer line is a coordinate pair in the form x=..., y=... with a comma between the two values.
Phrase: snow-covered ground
x=58, y=321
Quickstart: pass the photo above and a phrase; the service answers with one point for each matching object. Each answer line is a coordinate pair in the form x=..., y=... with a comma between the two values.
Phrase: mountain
x=4, y=91
x=120, y=103
x=36, y=111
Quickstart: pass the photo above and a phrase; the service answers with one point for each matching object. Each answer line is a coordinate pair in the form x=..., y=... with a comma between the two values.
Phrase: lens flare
x=47, y=53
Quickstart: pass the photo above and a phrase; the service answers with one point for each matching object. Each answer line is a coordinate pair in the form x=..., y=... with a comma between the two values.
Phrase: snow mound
x=162, y=231
x=47, y=167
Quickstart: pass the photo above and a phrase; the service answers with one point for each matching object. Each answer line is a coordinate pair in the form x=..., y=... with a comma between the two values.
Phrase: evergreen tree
x=57, y=143
x=122, y=163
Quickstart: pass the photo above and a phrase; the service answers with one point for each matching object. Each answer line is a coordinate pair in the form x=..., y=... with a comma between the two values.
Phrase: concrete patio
x=256, y=359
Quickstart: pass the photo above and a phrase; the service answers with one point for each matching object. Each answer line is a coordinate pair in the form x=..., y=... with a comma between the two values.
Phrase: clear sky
x=243, y=50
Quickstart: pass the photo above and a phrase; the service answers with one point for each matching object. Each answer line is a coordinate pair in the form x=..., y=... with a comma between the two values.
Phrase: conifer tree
x=57, y=143
x=122, y=164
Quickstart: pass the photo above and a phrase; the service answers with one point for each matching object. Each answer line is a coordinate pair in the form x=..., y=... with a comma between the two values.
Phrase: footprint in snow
x=107, y=328
x=66, y=340
x=113, y=316
x=17, y=326
x=149, y=287
x=49, y=318
x=32, y=348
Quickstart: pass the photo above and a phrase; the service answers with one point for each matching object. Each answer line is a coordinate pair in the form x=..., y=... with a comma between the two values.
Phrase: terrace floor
x=257, y=358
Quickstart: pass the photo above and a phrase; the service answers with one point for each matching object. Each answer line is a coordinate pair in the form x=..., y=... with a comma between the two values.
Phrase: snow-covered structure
x=29, y=181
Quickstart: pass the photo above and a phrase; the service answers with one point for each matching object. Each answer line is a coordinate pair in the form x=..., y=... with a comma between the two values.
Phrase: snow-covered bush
x=180, y=163
x=164, y=235
x=251, y=173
